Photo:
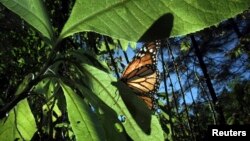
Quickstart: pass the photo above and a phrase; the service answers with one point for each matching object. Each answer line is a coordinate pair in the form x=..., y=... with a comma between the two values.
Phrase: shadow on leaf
x=160, y=29
x=136, y=107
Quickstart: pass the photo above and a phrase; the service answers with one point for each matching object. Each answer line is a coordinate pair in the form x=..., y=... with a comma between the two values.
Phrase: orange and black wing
x=142, y=75
x=146, y=56
x=143, y=80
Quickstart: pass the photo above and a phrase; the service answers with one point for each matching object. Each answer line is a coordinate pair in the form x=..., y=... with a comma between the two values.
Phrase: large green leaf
x=106, y=115
x=130, y=19
x=33, y=12
x=101, y=84
x=20, y=123
x=84, y=123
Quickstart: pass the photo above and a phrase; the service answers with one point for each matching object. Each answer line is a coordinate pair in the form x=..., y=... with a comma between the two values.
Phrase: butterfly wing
x=144, y=79
x=146, y=56
x=141, y=74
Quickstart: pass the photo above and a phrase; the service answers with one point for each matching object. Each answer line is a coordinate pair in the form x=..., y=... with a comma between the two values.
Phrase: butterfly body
x=141, y=74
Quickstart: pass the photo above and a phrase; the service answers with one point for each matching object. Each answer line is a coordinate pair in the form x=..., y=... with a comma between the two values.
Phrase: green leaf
x=125, y=44
x=20, y=123
x=106, y=115
x=33, y=12
x=130, y=19
x=24, y=84
x=83, y=121
x=100, y=84
x=185, y=46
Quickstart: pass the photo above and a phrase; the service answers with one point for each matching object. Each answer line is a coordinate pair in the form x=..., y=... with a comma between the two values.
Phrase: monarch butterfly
x=141, y=74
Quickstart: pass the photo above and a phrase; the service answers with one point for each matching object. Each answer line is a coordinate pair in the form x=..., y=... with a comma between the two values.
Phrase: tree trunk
x=208, y=81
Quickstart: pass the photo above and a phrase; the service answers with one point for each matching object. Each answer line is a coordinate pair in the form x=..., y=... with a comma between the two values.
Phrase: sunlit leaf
x=84, y=122
x=124, y=19
x=125, y=44
x=106, y=115
x=100, y=83
x=33, y=12
x=19, y=124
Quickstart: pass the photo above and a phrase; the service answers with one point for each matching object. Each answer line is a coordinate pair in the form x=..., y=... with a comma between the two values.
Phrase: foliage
x=57, y=83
